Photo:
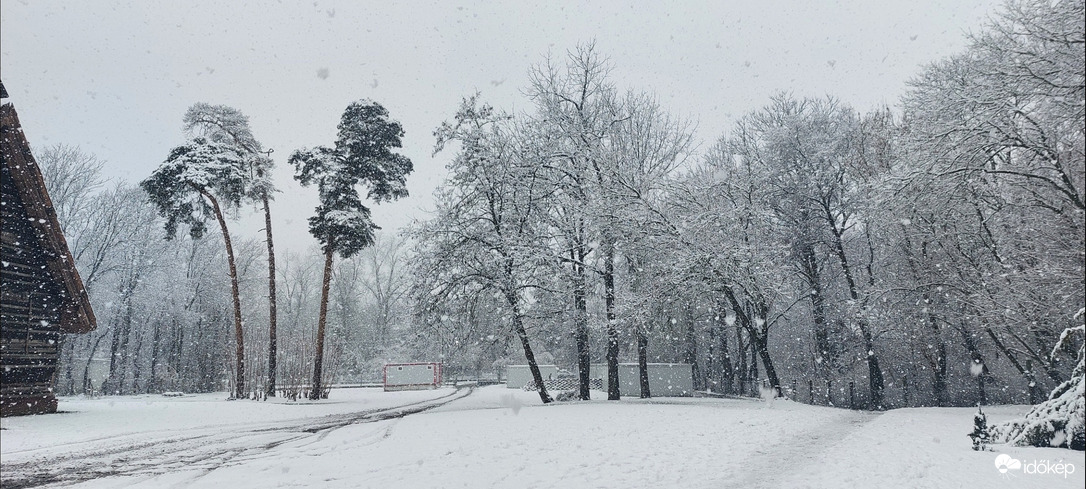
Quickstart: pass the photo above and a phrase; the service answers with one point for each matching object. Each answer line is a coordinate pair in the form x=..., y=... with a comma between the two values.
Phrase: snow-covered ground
x=84, y=420
x=497, y=437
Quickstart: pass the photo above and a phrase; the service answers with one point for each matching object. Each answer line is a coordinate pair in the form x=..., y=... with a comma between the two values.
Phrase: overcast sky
x=115, y=78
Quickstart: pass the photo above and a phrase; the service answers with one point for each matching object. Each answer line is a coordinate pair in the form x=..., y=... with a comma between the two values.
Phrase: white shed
x=665, y=379
x=516, y=376
x=412, y=376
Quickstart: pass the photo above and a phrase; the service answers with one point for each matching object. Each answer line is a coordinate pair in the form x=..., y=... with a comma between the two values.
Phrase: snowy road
x=202, y=449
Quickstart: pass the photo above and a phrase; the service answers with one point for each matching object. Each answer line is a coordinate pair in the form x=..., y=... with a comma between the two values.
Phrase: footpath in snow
x=497, y=437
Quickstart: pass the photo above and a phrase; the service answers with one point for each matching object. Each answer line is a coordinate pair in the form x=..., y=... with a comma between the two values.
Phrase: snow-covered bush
x=1061, y=420
x=565, y=396
x=980, y=435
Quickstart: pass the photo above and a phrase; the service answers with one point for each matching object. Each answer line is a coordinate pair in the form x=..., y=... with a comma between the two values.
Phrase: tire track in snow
x=775, y=464
x=205, y=450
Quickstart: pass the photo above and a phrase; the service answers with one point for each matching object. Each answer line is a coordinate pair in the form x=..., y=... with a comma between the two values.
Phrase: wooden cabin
x=41, y=294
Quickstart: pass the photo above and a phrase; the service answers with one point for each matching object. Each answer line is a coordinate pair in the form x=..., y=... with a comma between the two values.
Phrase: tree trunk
x=760, y=342
x=741, y=369
x=318, y=362
x=613, y=393
x=67, y=357
x=177, y=350
x=711, y=368
x=767, y=363
x=156, y=341
x=727, y=373
x=758, y=337
x=939, y=363
x=126, y=334
x=876, y=383
x=88, y=386
x=1027, y=372
x=976, y=358
x=137, y=362
x=272, y=299
x=109, y=386
x=643, y=362
x=239, y=335
x=580, y=333
x=825, y=353
x=1035, y=395
x=691, y=354
x=752, y=343
x=939, y=374
x=518, y=328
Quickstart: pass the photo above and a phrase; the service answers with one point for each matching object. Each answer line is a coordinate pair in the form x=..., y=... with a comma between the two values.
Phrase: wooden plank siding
x=41, y=294
x=30, y=302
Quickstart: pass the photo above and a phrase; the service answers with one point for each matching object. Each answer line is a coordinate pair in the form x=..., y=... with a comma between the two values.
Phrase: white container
x=412, y=376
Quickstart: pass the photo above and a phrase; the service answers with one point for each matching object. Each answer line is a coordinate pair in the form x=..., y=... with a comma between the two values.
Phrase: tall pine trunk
x=318, y=363
x=239, y=335
x=272, y=298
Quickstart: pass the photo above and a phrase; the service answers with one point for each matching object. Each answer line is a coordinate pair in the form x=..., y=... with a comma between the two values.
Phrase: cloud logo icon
x=1004, y=463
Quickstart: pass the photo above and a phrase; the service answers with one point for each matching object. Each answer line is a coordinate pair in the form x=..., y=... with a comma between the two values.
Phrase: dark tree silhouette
x=363, y=155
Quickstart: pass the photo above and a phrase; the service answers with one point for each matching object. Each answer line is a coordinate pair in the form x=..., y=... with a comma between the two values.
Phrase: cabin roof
x=76, y=315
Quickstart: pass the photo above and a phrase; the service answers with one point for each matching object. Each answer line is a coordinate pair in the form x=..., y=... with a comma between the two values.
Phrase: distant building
x=412, y=376
x=41, y=294
x=665, y=379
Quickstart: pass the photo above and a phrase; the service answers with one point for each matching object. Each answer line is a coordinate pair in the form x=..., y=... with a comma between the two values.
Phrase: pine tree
x=227, y=125
x=363, y=155
x=980, y=435
x=187, y=189
x=1061, y=420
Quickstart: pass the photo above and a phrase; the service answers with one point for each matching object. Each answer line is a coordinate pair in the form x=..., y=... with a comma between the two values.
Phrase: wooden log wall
x=30, y=304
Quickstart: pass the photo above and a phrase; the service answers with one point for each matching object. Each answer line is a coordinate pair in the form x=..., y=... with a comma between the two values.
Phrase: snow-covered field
x=496, y=437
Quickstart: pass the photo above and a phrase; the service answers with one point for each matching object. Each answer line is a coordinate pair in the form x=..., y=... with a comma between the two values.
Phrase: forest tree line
x=164, y=306
x=928, y=253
